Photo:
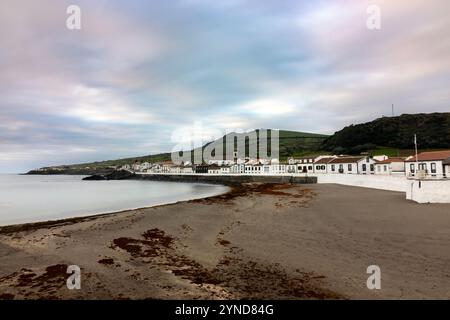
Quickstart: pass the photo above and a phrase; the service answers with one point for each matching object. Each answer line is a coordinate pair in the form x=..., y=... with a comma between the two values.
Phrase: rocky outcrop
x=115, y=175
x=95, y=177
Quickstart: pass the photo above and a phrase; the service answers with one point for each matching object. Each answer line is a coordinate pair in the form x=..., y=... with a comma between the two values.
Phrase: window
x=411, y=167
x=332, y=167
x=372, y=168
x=349, y=167
x=385, y=168
x=364, y=167
x=310, y=168
x=433, y=167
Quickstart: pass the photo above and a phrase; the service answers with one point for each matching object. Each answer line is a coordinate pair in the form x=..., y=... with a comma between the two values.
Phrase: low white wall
x=428, y=191
x=392, y=183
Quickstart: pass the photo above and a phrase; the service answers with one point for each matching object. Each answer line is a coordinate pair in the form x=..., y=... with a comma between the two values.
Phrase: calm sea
x=40, y=198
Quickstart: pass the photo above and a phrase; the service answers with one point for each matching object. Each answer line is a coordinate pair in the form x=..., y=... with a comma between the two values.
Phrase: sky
x=138, y=71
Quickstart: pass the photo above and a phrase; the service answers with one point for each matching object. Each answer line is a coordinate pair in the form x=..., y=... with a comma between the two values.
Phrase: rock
x=94, y=177
x=119, y=175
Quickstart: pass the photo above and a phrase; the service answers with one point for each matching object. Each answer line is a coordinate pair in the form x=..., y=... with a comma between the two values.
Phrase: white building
x=214, y=169
x=291, y=168
x=187, y=170
x=434, y=164
x=351, y=165
x=380, y=157
x=126, y=167
x=277, y=169
x=175, y=169
x=301, y=160
x=225, y=169
x=145, y=166
x=253, y=169
x=136, y=166
x=238, y=168
x=320, y=165
x=390, y=166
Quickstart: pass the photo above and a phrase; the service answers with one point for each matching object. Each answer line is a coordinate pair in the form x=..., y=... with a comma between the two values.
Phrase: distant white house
x=277, y=169
x=136, y=166
x=291, y=168
x=380, y=157
x=254, y=169
x=320, y=165
x=434, y=164
x=187, y=169
x=175, y=169
x=126, y=167
x=390, y=166
x=225, y=169
x=238, y=168
x=351, y=165
x=214, y=169
x=301, y=160
x=145, y=166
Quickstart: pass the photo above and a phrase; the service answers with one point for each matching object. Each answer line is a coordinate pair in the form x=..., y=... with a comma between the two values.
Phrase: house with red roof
x=352, y=165
x=434, y=164
x=320, y=165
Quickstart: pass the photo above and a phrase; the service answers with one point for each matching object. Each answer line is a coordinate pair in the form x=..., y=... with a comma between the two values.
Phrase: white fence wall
x=392, y=183
x=429, y=191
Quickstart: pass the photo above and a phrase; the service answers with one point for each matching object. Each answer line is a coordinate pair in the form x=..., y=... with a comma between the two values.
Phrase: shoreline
x=257, y=241
x=28, y=226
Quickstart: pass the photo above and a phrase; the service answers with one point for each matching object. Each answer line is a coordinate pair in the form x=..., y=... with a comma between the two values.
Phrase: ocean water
x=36, y=198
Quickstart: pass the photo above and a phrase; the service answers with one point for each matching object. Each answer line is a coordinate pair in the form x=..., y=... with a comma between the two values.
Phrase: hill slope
x=291, y=143
x=433, y=131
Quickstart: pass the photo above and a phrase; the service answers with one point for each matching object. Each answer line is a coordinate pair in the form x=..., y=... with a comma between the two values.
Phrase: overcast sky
x=138, y=70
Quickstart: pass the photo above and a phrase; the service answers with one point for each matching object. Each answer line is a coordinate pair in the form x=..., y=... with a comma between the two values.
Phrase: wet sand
x=259, y=241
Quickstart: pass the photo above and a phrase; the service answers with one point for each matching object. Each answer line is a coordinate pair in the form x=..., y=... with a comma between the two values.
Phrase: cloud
x=139, y=70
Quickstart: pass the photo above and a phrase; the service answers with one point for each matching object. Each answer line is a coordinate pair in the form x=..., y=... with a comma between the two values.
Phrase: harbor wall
x=227, y=179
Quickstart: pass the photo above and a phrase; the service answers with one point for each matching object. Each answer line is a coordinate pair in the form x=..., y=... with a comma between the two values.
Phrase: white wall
x=439, y=167
x=392, y=183
x=344, y=167
x=368, y=162
x=429, y=191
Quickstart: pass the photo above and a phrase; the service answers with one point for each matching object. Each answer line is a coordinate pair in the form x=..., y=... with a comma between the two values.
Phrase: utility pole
x=417, y=158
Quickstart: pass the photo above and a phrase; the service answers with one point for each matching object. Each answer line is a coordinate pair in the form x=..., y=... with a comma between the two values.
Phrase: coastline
x=259, y=241
x=29, y=226
x=79, y=204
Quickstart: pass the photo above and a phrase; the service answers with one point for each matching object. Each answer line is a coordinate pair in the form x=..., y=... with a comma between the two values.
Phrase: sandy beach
x=259, y=241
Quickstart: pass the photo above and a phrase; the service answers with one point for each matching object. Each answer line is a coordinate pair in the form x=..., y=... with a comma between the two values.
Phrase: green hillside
x=433, y=132
x=292, y=143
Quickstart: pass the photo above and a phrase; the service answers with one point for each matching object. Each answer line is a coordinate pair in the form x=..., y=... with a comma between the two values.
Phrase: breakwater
x=225, y=179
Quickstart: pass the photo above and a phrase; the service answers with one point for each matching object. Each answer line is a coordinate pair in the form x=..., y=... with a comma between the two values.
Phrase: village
x=427, y=165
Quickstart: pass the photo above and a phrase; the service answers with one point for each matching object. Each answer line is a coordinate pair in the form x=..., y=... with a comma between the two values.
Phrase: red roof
x=431, y=156
x=347, y=160
x=324, y=160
